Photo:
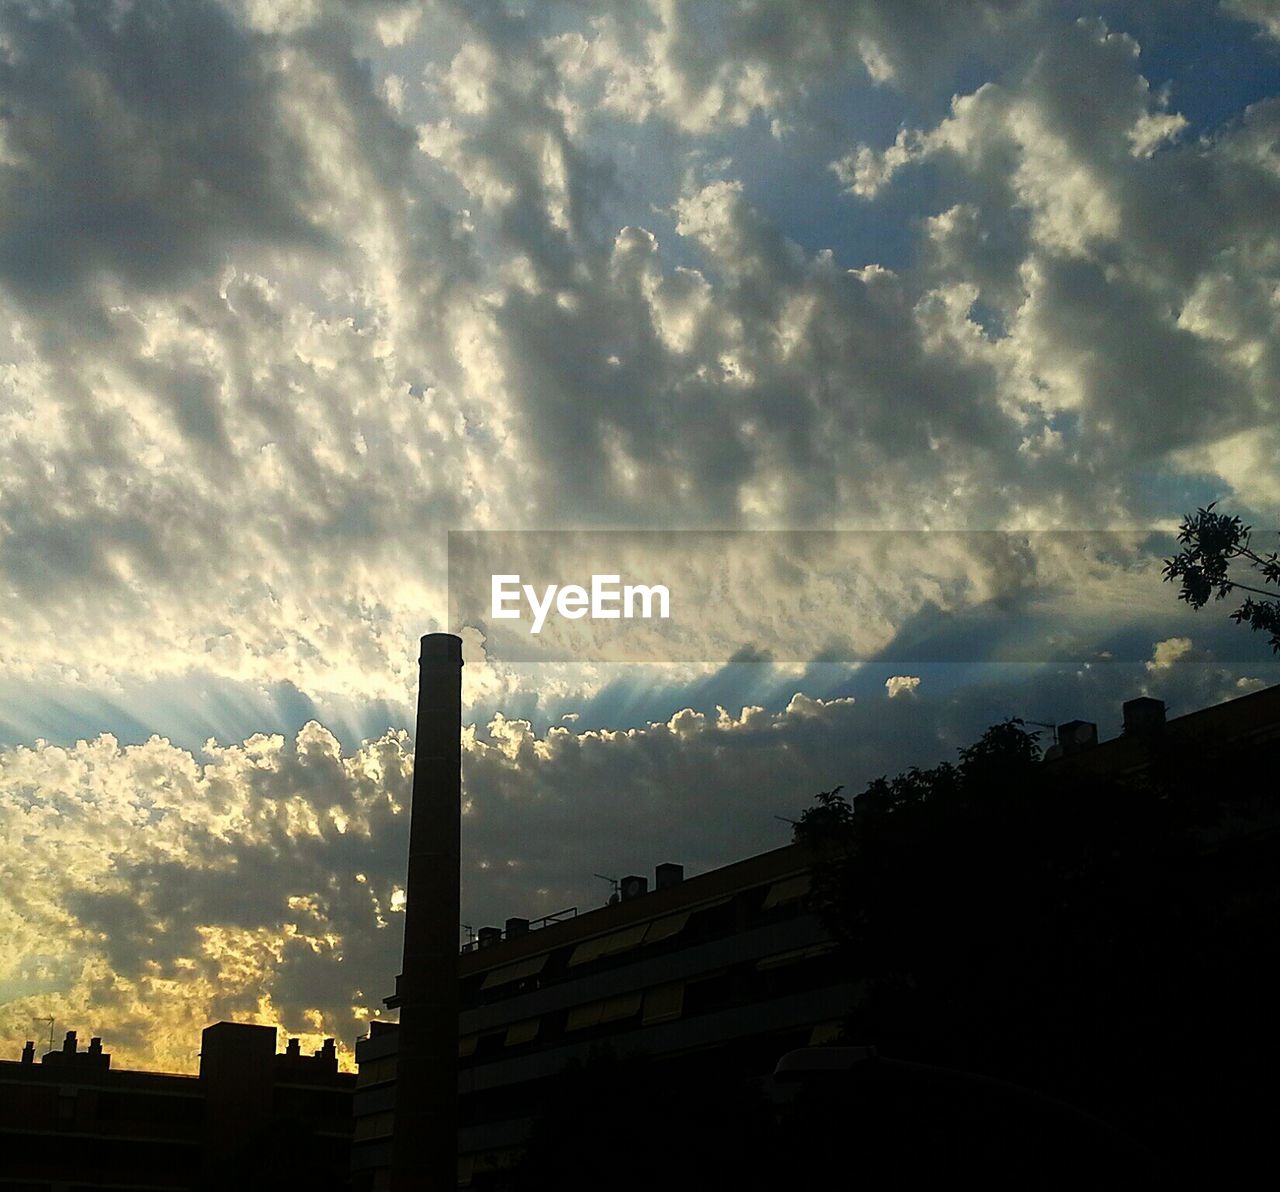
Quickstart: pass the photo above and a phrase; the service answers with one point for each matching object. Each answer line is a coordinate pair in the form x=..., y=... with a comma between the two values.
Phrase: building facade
x=251, y=1118
x=732, y=964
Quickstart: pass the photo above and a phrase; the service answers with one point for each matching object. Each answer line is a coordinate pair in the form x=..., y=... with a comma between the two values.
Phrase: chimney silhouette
x=425, y=1141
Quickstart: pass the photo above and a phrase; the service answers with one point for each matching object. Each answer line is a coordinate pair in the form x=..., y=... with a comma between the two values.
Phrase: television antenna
x=49, y=1020
x=615, y=887
x=1053, y=728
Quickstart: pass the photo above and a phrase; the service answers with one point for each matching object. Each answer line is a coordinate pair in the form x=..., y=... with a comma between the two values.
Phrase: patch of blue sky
x=789, y=180
x=187, y=710
x=1161, y=493
x=786, y=177
x=1214, y=63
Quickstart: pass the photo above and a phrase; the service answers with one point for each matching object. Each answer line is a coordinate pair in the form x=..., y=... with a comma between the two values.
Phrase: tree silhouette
x=1076, y=933
x=1215, y=542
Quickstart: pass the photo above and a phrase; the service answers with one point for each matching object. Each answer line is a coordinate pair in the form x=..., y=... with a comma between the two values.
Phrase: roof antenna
x=49, y=1020
x=615, y=886
x=1053, y=728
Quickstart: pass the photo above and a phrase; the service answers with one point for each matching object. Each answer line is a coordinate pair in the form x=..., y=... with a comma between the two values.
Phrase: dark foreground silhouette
x=1068, y=969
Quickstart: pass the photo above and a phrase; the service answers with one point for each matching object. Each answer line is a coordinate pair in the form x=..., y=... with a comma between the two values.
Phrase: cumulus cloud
x=226, y=398
x=359, y=332
x=289, y=289
x=1168, y=652
x=147, y=891
x=137, y=139
x=706, y=66
x=1261, y=12
x=1067, y=235
x=896, y=685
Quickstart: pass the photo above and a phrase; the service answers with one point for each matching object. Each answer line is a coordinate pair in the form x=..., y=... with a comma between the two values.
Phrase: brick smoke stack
x=425, y=1145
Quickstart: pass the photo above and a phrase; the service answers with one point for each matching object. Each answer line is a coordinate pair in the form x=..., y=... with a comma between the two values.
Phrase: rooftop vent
x=1076, y=736
x=1143, y=715
x=633, y=886
x=667, y=874
x=490, y=936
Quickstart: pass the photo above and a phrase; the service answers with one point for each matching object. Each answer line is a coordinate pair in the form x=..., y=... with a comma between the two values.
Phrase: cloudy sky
x=291, y=288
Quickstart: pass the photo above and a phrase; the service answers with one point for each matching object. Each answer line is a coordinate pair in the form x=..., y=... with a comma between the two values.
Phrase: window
x=376, y=1071
x=375, y=1125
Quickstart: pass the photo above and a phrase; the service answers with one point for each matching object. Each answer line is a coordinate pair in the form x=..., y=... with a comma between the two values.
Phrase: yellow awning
x=663, y=1003
x=530, y=967
x=623, y=1006
x=794, y=956
x=664, y=929
x=788, y=890
x=612, y=1009
x=624, y=941
x=588, y=951
x=608, y=945
x=523, y=1032
x=581, y=1017
x=825, y=1033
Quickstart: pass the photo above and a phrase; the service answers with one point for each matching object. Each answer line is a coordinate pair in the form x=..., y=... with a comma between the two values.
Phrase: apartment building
x=251, y=1117
x=731, y=963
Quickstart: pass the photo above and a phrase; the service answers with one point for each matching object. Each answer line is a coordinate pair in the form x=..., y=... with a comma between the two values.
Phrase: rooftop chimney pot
x=1143, y=715
x=1077, y=735
x=632, y=886
x=667, y=874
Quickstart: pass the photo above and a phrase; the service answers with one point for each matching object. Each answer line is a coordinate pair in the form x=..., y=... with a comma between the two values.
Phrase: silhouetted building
x=731, y=964
x=251, y=1118
x=1251, y=721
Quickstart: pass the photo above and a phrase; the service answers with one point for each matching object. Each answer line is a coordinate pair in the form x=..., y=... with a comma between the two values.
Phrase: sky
x=290, y=289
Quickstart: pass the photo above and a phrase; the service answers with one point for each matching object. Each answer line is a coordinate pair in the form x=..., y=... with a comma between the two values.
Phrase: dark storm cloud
x=139, y=138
